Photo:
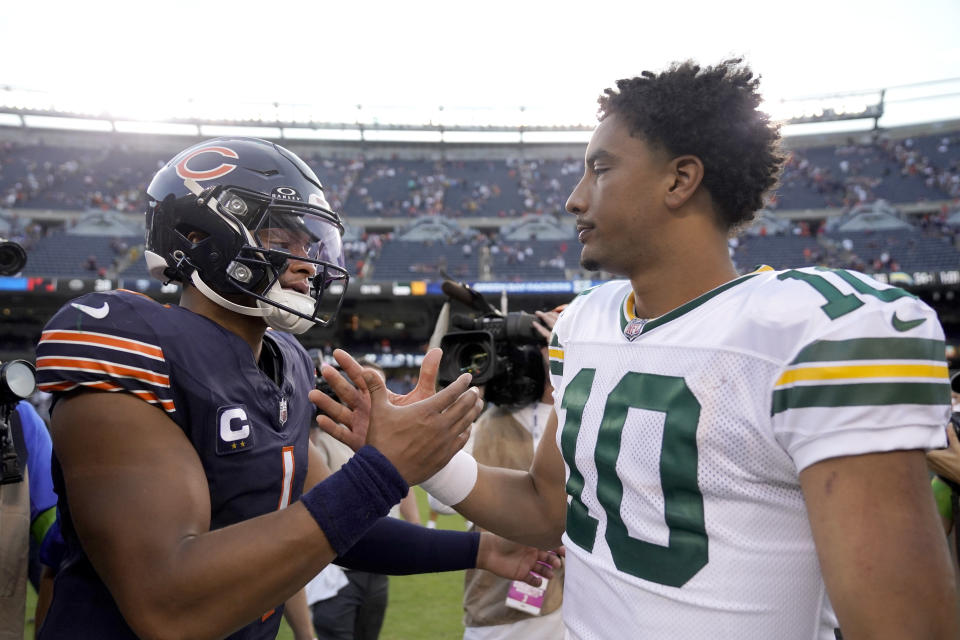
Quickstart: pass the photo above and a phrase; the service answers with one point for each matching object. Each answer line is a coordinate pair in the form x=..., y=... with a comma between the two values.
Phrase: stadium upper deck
x=50, y=180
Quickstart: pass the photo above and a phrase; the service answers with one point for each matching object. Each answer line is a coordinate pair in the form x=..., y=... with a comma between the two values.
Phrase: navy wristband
x=397, y=548
x=350, y=501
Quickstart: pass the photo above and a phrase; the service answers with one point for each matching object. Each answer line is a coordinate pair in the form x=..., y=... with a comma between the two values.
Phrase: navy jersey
x=250, y=433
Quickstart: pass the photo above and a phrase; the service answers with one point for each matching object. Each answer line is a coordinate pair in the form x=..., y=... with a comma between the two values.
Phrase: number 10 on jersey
x=686, y=552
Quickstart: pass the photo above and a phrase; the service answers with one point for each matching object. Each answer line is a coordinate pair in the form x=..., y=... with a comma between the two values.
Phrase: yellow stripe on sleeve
x=854, y=372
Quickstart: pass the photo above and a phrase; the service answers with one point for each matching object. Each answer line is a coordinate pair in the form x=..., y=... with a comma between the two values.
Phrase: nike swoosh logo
x=97, y=312
x=905, y=325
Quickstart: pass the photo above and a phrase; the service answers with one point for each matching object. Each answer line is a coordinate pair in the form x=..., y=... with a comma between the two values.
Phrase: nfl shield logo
x=634, y=328
x=283, y=411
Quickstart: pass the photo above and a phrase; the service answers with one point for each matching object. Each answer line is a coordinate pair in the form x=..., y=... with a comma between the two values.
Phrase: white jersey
x=683, y=438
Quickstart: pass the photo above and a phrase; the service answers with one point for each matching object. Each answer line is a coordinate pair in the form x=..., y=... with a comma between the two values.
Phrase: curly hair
x=711, y=113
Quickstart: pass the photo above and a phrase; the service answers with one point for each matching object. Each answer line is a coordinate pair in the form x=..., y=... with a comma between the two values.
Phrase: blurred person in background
x=507, y=437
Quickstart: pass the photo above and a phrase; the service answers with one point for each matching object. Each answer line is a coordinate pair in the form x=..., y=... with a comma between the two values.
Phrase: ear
x=687, y=174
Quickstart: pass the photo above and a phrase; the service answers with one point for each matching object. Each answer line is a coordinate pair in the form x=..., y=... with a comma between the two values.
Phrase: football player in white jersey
x=730, y=456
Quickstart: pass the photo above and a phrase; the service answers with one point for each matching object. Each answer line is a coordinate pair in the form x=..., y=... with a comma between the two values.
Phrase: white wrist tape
x=452, y=484
x=439, y=507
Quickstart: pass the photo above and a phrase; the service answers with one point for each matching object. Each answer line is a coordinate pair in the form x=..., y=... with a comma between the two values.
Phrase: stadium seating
x=66, y=255
x=112, y=178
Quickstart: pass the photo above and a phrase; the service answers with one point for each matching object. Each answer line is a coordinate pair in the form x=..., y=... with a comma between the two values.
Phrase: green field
x=423, y=607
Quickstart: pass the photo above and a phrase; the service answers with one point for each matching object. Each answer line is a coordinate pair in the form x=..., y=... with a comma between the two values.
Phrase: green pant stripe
x=42, y=523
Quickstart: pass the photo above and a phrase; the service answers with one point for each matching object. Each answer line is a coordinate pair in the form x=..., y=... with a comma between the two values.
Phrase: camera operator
x=507, y=436
x=27, y=503
x=508, y=355
x=27, y=500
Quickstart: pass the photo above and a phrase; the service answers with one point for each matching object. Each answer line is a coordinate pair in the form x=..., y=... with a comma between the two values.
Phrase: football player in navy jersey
x=192, y=503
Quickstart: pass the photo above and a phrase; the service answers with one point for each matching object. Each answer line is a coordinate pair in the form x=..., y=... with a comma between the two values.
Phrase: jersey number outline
x=286, y=456
x=687, y=550
x=838, y=303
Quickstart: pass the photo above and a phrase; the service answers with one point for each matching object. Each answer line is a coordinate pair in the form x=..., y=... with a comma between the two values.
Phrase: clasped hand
x=418, y=432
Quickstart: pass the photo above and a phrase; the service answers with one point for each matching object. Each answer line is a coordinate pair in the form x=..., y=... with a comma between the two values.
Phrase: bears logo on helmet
x=207, y=174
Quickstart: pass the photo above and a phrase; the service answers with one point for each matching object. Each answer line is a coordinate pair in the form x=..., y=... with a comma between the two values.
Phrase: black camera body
x=11, y=466
x=501, y=351
x=17, y=381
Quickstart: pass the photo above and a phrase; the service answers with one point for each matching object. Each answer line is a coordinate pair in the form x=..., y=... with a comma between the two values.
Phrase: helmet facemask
x=272, y=241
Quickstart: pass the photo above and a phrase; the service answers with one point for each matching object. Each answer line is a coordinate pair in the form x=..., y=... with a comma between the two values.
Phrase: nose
x=577, y=202
x=294, y=265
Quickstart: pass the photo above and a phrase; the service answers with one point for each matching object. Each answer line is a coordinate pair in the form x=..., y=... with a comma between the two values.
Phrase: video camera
x=502, y=351
x=17, y=382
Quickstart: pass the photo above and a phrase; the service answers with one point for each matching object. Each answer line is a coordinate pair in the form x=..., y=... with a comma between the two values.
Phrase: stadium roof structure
x=850, y=111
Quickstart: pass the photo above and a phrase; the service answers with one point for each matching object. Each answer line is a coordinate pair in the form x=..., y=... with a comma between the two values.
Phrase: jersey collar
x=633, y=327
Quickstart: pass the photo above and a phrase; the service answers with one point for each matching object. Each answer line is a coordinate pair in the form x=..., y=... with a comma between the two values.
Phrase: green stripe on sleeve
x=872, y=349
x=556, y=367
x=42, y=523
x=855, y=395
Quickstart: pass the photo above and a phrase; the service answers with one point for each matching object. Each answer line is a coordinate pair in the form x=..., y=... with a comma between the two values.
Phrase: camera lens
x=12, y=258
x=473, y=359
x=17, y=380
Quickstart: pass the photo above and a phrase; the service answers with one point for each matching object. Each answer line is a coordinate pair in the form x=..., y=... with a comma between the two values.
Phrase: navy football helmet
x=228, y=215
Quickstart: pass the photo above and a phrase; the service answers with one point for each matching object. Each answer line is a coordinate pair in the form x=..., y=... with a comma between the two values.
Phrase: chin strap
x=281, y=320
x=205, y=289
x=275, y=317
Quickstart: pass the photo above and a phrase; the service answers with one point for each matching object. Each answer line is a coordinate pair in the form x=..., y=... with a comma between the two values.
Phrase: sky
x=476, y=58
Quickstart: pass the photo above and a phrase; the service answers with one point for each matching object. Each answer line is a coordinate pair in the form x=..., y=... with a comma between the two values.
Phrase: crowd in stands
x=899, y=171
x=40, y=177
x=932, y=243
x=112, y=178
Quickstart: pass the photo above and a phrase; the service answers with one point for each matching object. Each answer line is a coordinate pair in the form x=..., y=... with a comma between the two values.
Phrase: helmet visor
x=296, y=244
x=306, y=254
x=302, y=235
